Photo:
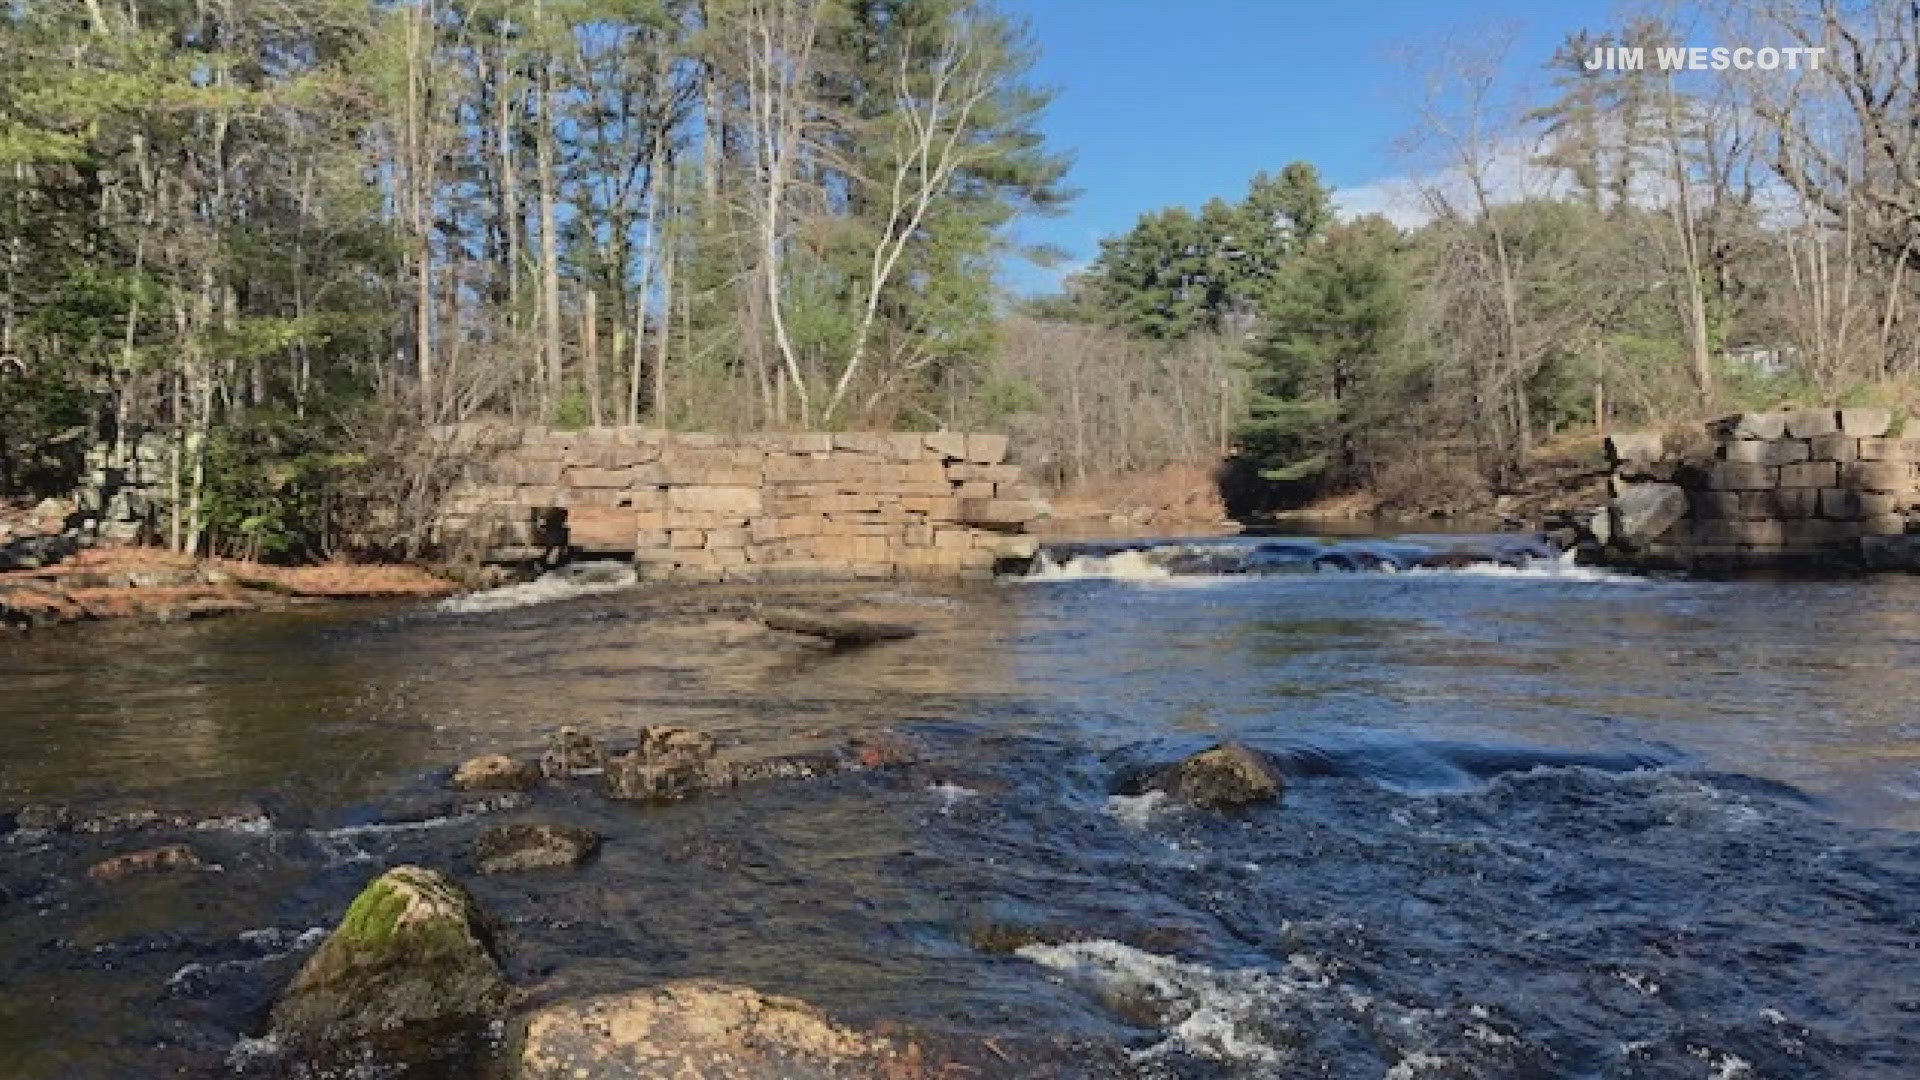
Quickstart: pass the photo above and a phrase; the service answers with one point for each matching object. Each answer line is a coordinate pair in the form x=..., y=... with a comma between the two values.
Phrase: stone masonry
x=697, y=506
x=1810, y=487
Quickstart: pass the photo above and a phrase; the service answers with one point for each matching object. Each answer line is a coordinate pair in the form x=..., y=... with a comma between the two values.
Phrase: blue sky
x=1163, y=102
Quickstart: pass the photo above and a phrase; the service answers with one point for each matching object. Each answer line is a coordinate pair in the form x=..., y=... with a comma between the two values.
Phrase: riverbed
x=1540, y=820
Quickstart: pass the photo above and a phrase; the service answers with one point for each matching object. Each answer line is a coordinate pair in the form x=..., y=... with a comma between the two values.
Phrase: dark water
x=1540, y=821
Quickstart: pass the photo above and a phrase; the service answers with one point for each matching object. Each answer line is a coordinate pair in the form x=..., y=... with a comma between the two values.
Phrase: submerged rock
x=513, y=849
x=1227, y=777
x=494, y=772
x=842, y=631
x=573, y=753
x=670, y=763
x=706, y=1029
x=160, y=860
x=411, y=969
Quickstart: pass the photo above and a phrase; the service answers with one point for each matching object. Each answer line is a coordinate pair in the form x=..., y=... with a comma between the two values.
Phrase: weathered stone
x=1841, y=448
x=1644, y=511
x=843, y=631
x=572, y=753
x=412, y=958
x=1227, y=777
x=950, y=445
x=169, y=859
x=1887, y=449
x=1757, y=425
x=1738, y=533
x=494, y=772
x=985, y=448
x=1767, y=452
x=1717, y=504
x=1884, y=525
x=670, y=763
x=601, y=528
x=1865, y=423
x=1878, y=476
x=1807, y=423
x=1839, y=503
x=1739, y=476
x=517, y=848
x=1781, y=503
x=1629, y=448
x=1810, y=474
x=704, y=1029
x=1815, y=533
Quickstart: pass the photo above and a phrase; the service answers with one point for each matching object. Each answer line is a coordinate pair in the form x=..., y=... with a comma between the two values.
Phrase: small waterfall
x=561, y=583
x=1494, y=555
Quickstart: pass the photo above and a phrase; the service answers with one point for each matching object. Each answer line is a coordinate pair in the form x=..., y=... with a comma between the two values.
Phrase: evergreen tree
x=1328, y=323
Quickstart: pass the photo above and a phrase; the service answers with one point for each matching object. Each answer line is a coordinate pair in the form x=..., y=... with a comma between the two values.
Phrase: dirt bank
x=144, y=583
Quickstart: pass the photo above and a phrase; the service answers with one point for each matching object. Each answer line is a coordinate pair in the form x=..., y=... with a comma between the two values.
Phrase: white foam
x=1130, y=565
x=1213, y=1014
x=950, y=794
x=1137, y=811
x=555, y=585
x=1560, y=569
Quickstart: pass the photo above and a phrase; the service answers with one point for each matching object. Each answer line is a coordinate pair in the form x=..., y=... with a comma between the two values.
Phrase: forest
x=279, y=237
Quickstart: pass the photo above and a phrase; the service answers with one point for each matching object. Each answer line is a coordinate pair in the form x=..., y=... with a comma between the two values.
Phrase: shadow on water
x=1535, y=824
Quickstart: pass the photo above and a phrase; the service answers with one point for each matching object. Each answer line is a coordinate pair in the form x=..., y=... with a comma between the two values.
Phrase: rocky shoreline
x=52, y=581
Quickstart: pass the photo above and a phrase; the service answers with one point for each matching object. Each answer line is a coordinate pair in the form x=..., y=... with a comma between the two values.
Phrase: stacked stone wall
x=761, y=506
x=1776, y=488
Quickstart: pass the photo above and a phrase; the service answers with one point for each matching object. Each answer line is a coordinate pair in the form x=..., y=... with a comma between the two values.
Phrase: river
x=1541, y=821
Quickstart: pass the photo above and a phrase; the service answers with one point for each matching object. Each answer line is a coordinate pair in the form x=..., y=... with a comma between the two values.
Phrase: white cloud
x=1510, y=174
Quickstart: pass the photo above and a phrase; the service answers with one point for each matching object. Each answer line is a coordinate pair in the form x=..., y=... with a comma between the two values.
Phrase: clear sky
x=1163, y=102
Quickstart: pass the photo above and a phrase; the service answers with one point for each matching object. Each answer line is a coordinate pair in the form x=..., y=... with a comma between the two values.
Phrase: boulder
x=411, y=968
x=160, y=860
x=494, y=772
x=517, y=848
x=1644, y=511
x=670, y=763
x=841, y=631
x=1629, y=449
x=701, y=1028
x=572, y=753
x=1227, y=777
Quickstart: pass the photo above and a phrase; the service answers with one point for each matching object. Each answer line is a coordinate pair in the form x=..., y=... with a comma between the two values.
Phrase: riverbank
x=149, y=584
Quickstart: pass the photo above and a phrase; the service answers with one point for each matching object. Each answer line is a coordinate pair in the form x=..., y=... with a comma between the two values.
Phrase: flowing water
x=1541, y=821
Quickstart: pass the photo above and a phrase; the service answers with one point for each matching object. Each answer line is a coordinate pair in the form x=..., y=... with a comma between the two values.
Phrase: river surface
x=1540, y=821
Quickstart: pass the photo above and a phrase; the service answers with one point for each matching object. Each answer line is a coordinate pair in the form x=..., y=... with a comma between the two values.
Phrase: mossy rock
x=410, y=967
x=1225, y=778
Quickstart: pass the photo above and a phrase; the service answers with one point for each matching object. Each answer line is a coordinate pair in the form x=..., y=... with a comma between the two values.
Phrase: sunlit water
x=1541, y=821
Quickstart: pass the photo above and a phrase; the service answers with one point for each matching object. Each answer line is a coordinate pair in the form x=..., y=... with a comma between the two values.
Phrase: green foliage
x=1177, y=273
x=1330, y=322
x=273, y=485
x=44, y=424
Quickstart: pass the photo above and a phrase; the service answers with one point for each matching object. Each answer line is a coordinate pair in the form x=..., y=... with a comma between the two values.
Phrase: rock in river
x=160, y=860
x=669, y=763
x=410, y=969
x=1227, y=777
x=513, y=849
x=494, y=772
x=700, y=1028
x=572, y=753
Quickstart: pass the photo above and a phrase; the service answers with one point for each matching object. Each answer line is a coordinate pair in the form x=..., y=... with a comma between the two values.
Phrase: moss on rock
x=412, y=953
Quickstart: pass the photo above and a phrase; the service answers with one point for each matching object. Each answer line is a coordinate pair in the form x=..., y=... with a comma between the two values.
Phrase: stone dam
x=762, y=506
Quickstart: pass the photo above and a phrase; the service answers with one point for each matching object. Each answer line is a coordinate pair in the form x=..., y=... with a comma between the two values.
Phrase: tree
x=1330, y=320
